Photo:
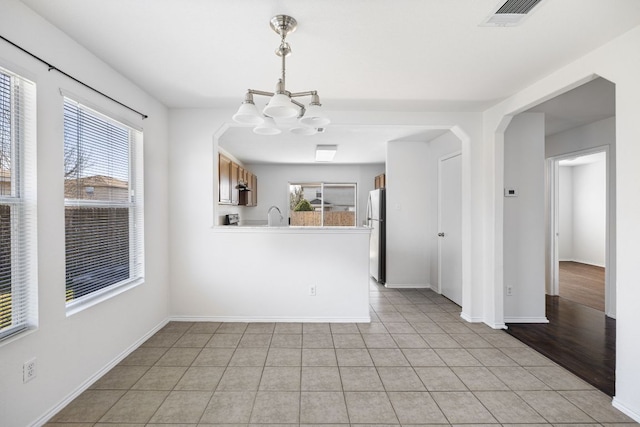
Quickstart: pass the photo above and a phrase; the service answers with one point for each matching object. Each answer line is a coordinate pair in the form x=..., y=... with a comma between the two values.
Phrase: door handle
x=440, y=234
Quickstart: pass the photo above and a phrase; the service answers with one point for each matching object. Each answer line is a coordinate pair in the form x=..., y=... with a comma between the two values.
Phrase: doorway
x=579, y=227
x=579, y=122
x=450, y=227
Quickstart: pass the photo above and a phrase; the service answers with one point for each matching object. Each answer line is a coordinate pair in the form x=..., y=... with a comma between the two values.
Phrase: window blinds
x=103, y=203
x=18, y=305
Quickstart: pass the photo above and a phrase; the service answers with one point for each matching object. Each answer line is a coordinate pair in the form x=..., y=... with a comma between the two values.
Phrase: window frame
x=21, y=201
x=134, y=203
x=321, y=185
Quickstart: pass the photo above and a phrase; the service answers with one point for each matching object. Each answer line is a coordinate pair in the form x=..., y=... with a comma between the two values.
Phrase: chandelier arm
x=307, y=93
x=302, y=109
x=260, y=92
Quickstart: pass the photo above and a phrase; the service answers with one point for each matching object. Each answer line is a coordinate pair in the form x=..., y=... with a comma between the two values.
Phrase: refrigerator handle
x=369, y=208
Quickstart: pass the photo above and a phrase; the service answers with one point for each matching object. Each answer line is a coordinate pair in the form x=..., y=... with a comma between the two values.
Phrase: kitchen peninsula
x=294, y=273
x=291, y=274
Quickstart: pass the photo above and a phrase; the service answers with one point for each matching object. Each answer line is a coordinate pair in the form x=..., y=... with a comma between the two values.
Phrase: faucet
x=271, y=209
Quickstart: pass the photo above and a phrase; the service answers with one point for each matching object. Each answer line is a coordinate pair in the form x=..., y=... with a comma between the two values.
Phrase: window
x=322, y=205
x=103, y=205
x=17, y=205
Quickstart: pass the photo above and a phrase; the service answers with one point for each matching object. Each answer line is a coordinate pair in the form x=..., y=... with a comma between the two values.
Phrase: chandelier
x=282, y=104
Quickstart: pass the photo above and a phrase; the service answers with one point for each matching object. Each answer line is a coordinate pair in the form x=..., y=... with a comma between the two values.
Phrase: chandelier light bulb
x=315, y=117
x=267, y=127
x=280, y=107
x=248, y=114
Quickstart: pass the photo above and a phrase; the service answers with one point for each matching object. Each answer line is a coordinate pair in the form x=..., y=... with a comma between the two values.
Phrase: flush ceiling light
x=282, y=105
x=325, y=153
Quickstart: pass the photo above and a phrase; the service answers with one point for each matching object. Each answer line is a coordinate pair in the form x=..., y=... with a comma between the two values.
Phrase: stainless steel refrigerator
x=376, y=220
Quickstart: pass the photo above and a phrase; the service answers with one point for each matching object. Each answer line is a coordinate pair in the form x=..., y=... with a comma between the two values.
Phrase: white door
x=450, y=227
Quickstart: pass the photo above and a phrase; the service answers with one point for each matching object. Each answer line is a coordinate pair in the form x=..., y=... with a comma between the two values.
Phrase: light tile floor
x=417, y=363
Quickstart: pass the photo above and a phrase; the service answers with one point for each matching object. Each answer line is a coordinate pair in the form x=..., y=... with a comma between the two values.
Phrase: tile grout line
x=408, y=302
x=168, y=391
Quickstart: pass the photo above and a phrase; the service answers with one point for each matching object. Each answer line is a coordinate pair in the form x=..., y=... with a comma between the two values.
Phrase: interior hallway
x=416, y=363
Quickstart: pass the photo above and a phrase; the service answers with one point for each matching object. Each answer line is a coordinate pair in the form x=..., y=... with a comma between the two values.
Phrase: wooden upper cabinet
x=253, y=185
x=248, y=198
x=235, y=171
x=380, y=181
x=254, y=189
x=230, y=174
x=241, y=174
x=224, y=180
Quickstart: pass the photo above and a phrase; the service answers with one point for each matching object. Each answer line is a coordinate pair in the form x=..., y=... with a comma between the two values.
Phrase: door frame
x=439, y=225
x=553, y=255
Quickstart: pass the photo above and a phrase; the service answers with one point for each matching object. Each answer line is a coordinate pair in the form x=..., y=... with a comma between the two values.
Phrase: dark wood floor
x=582, y=283
x=577, y=337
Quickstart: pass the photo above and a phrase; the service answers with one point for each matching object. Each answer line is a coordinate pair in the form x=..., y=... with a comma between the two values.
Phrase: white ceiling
x=387, y=55
x=585, y=104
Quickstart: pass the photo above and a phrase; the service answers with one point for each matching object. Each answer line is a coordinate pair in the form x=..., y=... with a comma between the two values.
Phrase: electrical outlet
x=29, y=370
x=312, y=290
x=509, y=291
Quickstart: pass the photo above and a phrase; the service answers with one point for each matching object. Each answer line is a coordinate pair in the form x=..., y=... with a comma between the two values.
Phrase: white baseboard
x=525, y=320
x=471, y=319
x=95, y=377
x=267, y=319
x=498, y=325
x=579, y=261
x=625, y=410
x=407, y=286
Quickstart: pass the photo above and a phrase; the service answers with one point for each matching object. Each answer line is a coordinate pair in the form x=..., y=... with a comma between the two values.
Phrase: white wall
x=264, y=274
x=412, y=210
x=565, y=214
x=70, y=351
x=273, y=185
x=589, y=213
x=597, y=134
x=524, y=219
x=439, y=147
x=407, y=195
x=617, y=61
x=583, y=213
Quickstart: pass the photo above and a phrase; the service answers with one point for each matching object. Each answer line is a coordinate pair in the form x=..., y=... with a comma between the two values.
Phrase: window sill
x=100, y=296
x=18, y=335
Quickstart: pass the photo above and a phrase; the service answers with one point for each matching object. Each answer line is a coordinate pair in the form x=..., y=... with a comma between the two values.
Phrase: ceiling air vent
x=510, y=13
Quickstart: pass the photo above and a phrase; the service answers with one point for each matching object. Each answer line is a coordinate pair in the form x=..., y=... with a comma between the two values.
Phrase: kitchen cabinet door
x=235, y=171
x=241, y=174
x=224, y=180
x=254, y=190
x=249, y=179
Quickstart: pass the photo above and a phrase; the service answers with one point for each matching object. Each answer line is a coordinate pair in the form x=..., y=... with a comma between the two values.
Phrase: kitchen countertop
x=289, y=229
